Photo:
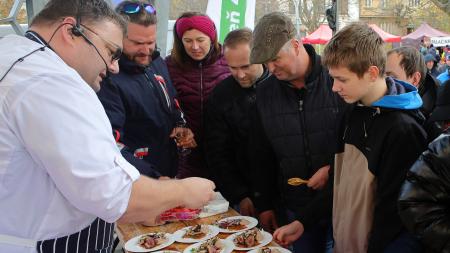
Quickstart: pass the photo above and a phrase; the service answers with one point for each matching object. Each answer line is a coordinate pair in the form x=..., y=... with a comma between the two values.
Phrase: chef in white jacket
x=63, y=181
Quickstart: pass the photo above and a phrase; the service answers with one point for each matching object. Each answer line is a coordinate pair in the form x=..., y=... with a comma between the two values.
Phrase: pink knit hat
x=202, y=23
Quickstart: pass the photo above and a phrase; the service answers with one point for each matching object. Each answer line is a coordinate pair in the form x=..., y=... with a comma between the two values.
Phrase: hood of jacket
x=400, y=95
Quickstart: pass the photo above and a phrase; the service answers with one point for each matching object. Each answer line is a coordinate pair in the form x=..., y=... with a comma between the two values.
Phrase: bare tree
x=431, y=14
x=266, y=6
x=312, y=13
x=177, y=7
x=422, y=11
x=262, y=7
x=444, y=5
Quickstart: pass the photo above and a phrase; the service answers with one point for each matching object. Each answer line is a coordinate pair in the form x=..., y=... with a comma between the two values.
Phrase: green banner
x=232, y=16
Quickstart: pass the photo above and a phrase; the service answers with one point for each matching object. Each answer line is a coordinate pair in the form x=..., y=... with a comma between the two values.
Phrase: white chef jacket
x=59, y=164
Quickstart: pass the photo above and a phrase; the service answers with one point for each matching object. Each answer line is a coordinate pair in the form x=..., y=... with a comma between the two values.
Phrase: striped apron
x=97, y=238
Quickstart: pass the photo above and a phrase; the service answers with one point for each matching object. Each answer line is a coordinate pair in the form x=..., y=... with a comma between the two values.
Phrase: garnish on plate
x=151, y=240
x=213, y=245
x=233, y=224
x=248, y=239
x=196, y=232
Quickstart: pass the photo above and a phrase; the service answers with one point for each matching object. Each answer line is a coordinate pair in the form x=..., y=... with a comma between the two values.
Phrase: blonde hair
x=356, y=47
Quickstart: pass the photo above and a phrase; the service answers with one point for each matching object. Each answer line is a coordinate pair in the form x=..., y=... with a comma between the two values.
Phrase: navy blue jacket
x=138, y=109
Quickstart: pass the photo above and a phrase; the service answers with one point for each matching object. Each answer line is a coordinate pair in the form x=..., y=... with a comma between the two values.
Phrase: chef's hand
x=197, y=191
x=151, y=223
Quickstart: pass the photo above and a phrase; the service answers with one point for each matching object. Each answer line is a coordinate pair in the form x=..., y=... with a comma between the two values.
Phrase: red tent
x=387, y=37
x=320, y=36
x=423, y=30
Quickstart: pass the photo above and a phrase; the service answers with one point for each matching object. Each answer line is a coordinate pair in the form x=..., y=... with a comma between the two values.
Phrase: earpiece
x=77, y=30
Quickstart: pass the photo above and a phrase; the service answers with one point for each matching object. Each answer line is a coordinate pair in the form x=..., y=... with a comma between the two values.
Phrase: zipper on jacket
x=156, y=89
x=148, y=79
x=307, y=153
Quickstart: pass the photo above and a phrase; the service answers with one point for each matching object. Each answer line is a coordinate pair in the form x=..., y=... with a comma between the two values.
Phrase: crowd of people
x=96, y=127
x=437, y=60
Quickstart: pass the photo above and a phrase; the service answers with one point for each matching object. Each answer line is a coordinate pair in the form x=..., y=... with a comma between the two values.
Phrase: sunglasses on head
x=132, y=8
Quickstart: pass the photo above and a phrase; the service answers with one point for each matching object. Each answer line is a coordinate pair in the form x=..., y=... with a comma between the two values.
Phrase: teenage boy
x=381, y=139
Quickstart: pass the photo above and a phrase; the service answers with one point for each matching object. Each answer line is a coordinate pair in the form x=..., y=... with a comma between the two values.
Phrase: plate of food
x=250, y=239
x=236, y=224
x=270, y=250
x=212, y=245
x=149, y=242
x=195, y=233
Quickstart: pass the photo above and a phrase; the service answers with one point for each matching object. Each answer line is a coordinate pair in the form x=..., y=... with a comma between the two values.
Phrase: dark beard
x=133, y=58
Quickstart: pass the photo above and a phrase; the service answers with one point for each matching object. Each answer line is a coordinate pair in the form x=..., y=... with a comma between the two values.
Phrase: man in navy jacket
x=140, y=100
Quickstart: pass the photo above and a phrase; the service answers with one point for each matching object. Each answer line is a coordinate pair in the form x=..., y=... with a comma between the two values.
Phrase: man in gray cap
x=296, y=135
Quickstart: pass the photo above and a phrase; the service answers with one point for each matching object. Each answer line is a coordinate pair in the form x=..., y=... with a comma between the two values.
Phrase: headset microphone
x=77, y=30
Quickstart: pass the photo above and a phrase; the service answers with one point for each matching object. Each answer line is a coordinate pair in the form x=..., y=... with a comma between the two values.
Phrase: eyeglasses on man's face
x=114, y=49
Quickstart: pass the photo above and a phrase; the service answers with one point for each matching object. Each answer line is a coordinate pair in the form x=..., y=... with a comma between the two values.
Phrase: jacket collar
x=266, y=74
x=132, y=67
x=316, y=67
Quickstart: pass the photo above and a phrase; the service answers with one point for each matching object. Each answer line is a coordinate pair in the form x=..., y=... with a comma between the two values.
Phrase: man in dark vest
x=296, y=135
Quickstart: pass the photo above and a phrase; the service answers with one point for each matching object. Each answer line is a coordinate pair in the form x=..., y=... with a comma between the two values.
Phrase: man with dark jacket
x=407, y=64
x=424, y=201
x=228, y=122
x=295, y=134
x=139, y=101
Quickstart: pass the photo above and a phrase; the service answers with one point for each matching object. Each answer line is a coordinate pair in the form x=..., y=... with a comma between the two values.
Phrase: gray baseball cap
x=271, y=33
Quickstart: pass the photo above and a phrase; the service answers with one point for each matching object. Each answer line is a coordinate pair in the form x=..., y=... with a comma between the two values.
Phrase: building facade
x=393, y=16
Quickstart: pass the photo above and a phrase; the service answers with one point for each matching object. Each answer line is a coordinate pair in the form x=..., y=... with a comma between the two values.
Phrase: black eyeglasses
x=133, y=8
x=116, y=53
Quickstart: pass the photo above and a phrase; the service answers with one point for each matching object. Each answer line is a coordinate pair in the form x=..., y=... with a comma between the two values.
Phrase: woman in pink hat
x=196, y=65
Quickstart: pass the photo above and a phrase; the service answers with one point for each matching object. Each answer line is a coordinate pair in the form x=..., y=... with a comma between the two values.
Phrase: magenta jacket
x=193, y=85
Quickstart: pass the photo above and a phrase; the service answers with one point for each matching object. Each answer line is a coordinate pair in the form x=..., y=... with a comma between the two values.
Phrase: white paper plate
x=267, y=238
x=178, y=235
x=280, y=249
x=252, y=223
x=133, y=244
x=228, y=246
